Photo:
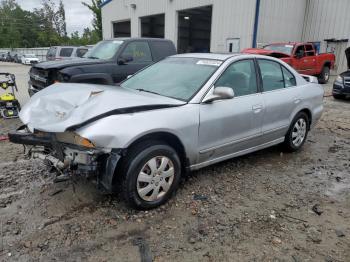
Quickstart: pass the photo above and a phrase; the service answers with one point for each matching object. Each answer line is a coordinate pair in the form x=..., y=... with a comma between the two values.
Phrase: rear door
x=141, y=55
x=233, y=125
x=280, y=95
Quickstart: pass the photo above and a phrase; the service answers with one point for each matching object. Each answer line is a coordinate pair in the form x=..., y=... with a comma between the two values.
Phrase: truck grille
x=39, y=78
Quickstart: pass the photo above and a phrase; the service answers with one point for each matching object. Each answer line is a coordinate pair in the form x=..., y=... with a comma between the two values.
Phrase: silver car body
x=208, y=132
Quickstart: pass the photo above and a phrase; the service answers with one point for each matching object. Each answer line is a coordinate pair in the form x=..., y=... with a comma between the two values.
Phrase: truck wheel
x=297, y=133
x=324, y=76
x=151, y=174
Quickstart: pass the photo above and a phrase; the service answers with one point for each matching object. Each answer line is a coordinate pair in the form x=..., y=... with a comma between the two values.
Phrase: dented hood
x=68, y=106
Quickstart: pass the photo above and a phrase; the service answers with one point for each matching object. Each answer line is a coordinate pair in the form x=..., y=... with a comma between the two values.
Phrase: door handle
x=257, y=108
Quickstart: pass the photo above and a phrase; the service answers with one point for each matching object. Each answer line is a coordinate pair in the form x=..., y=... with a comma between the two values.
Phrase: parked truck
x=109, y=62
x=302, y=56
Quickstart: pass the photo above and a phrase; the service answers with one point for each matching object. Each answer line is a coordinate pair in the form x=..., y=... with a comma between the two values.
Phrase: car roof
x=216, y=56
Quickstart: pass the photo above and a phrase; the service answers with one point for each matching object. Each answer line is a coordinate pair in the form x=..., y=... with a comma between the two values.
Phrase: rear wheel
x=297, y=133
x=324, y=76
x=151, y=174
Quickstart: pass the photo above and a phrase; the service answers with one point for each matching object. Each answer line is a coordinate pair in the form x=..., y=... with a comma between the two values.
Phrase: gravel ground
x=266, y=206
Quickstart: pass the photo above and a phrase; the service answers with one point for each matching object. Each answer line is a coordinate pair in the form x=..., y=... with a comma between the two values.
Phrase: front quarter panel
x=120, y=131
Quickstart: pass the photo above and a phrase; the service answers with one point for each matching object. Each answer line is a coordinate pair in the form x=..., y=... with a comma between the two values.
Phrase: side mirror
x=125, y=59
x=219, y=93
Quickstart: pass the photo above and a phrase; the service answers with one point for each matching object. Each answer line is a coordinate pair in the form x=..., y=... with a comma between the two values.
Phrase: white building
x=232, y=25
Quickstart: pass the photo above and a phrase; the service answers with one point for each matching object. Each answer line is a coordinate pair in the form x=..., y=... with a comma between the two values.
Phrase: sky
x=77, y=16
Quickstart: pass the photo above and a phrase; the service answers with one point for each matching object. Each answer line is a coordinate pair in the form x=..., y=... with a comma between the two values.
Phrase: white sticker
x=288, y=46
x=117, y=42
x=209, y=62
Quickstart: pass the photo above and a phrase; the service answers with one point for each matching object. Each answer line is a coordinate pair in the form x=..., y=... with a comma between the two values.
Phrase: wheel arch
x=165, y=137
x=307, y=111
x=327, y=64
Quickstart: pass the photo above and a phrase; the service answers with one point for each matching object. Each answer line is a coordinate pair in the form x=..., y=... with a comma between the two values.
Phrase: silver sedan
x=180, y=114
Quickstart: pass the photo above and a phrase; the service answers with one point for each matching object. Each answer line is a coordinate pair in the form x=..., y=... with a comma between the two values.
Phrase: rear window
x=162, y=49
x=309, y=50
x=66, y=52
x=81, y=51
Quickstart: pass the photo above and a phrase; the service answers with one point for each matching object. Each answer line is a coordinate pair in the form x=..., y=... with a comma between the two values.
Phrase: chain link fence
x=40, y=52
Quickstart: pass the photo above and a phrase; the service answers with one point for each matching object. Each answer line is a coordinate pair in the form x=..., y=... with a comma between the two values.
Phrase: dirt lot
x=266, y=206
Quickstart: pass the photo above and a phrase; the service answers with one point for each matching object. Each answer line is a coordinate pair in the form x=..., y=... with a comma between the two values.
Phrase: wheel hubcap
x=299, y=132
x=155, y=178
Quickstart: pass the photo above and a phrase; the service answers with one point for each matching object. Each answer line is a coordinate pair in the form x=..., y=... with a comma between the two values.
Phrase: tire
x=155, y=185
x=338, y=96
x=324, y=76
x=290, y=142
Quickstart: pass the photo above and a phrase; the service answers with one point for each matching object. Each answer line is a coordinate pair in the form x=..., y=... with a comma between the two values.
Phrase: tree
x=45, y=26
x=96, y=10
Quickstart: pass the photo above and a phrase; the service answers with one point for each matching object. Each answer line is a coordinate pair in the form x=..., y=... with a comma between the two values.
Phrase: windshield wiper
x=147, y=91
x=93, y=57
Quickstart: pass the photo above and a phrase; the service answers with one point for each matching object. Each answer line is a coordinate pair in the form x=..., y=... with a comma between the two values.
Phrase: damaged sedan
x=181, y=114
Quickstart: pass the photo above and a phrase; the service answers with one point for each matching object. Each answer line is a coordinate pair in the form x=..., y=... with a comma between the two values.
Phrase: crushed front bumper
x=70, y=158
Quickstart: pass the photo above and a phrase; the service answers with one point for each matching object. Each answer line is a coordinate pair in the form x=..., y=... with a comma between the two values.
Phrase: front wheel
x=324, y=76
x=297, y=133
x=151, y=175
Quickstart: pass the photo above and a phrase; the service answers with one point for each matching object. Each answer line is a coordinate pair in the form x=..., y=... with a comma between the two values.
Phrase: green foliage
x=96, y=10
x=45, y=26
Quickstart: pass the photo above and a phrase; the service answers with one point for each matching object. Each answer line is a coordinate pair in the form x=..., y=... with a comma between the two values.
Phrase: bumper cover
x=71, y=158
x=340, y=89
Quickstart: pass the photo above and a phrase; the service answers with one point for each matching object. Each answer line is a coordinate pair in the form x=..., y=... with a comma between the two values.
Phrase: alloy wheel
x=299, y=132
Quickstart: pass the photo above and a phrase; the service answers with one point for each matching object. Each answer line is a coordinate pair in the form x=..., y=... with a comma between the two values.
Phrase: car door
x=139, y=52
x=310, y=60
x=299, y=56
x=280, y=96
x=233, y=125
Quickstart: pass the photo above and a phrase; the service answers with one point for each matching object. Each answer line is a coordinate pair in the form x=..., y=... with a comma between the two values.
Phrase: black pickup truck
x=108, y=63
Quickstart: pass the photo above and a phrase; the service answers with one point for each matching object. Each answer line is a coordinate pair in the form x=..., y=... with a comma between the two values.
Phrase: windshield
x=30, y=56
x=286, y=49
x=104, y=50
x=179, y=78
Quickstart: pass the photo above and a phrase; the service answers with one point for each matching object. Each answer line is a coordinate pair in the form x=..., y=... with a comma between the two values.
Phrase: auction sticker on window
x=209, y=62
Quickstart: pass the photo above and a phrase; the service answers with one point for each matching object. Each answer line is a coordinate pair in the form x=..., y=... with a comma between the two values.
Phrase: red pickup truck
x=301, y=56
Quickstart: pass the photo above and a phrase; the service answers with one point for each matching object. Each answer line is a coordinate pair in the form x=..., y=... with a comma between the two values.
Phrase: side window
x=66, y=52
x=241, y=77
x=289, y=79
x=309, y=50
x=271, y=74
x=139, y=51
x=51, y=52
x=300, y=51
x=81, y=51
